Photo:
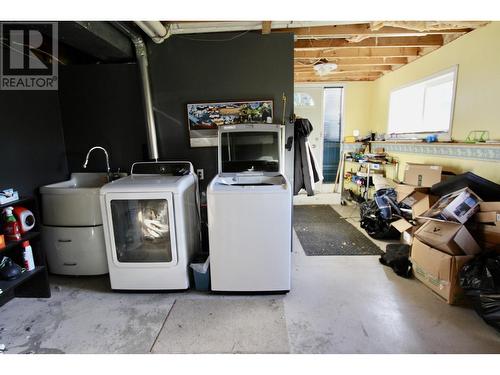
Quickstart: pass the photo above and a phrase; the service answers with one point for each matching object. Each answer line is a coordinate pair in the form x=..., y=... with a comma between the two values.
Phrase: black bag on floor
x=397, y=256
x=375, y=225
x=480, y=278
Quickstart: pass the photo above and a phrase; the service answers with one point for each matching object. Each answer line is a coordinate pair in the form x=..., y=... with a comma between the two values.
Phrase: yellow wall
x=357, y=107
x=477, y=102
x=478, y=86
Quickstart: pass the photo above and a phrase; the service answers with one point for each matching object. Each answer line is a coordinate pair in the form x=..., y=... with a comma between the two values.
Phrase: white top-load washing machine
x=151, y=226
x=250, y=212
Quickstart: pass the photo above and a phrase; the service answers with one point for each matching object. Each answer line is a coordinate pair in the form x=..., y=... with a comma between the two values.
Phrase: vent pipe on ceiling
x=155, y=30
x=142, y=62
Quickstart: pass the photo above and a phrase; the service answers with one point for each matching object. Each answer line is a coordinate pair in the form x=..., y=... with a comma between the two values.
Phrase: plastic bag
x=480, y=278
x=200, y=267
x=397, y=257
x=375, y=225
x=482, y=274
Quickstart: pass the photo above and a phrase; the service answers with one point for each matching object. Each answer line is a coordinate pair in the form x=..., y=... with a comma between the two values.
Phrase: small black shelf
x=15, y=203
x=26, y=237
x=9, y=285
x=31, y=284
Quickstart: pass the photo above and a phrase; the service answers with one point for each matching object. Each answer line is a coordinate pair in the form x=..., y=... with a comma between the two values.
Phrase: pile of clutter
x=451, y=230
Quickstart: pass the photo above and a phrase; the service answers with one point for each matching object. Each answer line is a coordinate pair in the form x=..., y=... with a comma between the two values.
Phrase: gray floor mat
x=224, y=325
x=322, y=231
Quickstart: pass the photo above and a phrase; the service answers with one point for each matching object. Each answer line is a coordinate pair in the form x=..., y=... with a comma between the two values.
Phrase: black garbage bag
x=482, y=274
x=397, y=256
x=375, y=225
x=480, y=278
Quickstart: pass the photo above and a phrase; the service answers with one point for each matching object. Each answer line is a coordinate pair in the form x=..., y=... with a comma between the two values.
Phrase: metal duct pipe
x=142, y=61
x=155, y=30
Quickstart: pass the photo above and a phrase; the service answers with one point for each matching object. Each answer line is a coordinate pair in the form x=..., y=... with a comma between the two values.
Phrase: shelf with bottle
x=24, y=250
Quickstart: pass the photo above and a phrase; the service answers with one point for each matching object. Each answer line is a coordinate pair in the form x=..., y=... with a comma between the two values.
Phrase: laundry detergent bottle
x=11, y=227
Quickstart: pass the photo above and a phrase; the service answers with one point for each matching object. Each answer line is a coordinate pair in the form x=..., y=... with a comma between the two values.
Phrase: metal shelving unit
x=31, y=284
x=370, y=167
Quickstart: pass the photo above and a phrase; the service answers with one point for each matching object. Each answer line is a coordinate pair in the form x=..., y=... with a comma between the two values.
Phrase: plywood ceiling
x=362, y=51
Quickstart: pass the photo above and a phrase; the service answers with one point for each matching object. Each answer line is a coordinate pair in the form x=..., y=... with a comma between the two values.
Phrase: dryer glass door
x=143, y=230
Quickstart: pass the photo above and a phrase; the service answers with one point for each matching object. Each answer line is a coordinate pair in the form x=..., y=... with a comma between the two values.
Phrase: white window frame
x=422, y=135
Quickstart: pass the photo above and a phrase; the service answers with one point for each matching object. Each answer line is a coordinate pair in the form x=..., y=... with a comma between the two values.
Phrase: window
x=302, y=99
x=425, y=106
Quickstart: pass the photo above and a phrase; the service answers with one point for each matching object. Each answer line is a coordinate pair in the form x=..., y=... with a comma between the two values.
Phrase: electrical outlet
x=201, y=174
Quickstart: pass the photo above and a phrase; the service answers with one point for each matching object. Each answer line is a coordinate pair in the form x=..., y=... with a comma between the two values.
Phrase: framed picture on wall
x=205, y=118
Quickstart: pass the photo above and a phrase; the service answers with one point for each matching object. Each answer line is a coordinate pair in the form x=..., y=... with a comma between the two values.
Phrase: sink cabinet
x=72, y=231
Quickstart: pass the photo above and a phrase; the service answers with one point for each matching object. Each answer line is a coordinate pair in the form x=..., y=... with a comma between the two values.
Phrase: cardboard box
x=489, y=206
x=406, y=229
x=491, y=217
x=489, y=233
x=424, y=175
x=450, y=237
x=417, y=198
x=458, y=206
x=438, y=270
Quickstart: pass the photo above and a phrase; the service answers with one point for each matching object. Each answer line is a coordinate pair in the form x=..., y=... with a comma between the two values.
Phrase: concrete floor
x=338, y=304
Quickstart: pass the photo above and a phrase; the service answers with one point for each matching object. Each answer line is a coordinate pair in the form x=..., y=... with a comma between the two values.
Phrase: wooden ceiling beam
x=346, y=31
x=360, y=76
x=412, y=41
x=358, y=52
x=342, y=79
x=266, y=27
x=357, y=60
x=346, y=68
x=336, y=74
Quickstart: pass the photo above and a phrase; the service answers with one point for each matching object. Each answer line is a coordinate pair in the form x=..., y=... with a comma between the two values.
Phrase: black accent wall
x=216, y=67
x=101, y=105
x=31, y=140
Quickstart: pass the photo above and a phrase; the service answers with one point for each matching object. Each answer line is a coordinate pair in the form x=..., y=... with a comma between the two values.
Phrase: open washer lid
x=250, y=149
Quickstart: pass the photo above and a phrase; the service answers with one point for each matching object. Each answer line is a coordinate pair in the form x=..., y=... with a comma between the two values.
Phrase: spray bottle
x=29, y=262
x=11, y=227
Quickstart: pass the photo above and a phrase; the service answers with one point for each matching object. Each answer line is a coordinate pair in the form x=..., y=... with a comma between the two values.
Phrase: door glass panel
x=142, y=230
x=331, y=144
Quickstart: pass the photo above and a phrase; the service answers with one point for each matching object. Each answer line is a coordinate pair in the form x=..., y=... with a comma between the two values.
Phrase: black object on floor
x=486, y=189
x=480, y=278
x=322, y=231
x=397, y=256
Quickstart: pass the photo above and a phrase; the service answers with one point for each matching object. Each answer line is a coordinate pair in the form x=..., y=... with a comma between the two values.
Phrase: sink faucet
x=105, y=153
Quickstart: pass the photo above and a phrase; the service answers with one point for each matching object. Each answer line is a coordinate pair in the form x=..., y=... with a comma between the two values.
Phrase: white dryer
x=151, y=226
x=250, y=212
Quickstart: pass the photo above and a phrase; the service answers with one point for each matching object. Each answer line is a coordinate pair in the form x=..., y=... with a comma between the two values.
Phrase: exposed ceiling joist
x=266, y=27
x=346, y=68
x=347, y=31
x=358, y=52
x=412, y=41
x=346, y=76
x=363, y=51
x=359, y=60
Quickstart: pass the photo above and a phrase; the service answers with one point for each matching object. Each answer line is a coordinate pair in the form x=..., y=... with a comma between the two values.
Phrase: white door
x=141, y=229
x=308, y=103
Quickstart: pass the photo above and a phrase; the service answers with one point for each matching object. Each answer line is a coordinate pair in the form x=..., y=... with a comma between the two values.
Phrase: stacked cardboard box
x=435, y=228
x=443, y=244
x=487, y=225
x=414, y=193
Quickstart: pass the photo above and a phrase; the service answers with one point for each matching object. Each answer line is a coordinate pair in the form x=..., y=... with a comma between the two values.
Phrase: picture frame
x=204, y=118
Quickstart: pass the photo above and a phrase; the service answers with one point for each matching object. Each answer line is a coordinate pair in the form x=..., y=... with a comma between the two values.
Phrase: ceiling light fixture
x=324, y=67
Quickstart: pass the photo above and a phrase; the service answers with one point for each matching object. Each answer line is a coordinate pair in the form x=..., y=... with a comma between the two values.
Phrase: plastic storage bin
x=201, y=272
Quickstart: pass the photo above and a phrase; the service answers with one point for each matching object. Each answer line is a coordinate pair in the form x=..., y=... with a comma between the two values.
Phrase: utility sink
x=74, y=202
